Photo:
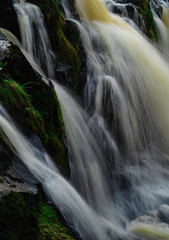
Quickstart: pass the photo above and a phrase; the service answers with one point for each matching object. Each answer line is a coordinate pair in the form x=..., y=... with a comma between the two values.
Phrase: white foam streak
x=72, y=206
x=34, y=36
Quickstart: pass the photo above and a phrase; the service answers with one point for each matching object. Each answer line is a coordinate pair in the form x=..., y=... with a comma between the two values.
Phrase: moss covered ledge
x=50, y=227
x=18, y=218
x=145, y=10
x=33, y=105
x=27, y=216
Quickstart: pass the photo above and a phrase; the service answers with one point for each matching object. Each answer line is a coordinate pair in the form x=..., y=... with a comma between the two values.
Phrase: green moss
x=49, y=225
x=56, y=1
x=145, y=10
x=64, y=44
x=19, y=213
x=1, y=64
x=14, y=97
x=28, y=216
x=34, y=105
x=68, y=51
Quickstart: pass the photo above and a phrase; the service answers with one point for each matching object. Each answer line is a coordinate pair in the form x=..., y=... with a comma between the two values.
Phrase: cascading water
x=62, y=193
x=131, y=76
x=127, y=80
x=121, y=176
x=160, y=11
x=34, y=36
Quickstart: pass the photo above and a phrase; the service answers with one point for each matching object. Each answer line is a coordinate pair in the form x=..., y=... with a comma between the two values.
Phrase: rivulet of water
x=34, y=36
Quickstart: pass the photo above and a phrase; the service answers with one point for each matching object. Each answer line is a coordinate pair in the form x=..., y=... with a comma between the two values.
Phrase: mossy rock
x=18, y=218
x=50, y=226
x=145, y=10
x=27, y=216
x=34, y=105
x=65, y=40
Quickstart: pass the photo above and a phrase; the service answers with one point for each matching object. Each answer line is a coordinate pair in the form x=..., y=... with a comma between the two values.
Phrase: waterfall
x=162, y=23
x=118, y=154
x=127, y=85
x=70, y=203
x=34, y=36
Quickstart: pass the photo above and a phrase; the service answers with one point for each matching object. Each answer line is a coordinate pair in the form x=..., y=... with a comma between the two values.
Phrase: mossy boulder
x=50, y=226
x=33, y=105
x=27, y=216
x=18, y=218
x=66, y=44
x=25, y=211
x=144, y=9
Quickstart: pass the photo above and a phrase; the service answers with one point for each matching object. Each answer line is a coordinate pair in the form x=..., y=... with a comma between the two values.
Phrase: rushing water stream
x=119, y=155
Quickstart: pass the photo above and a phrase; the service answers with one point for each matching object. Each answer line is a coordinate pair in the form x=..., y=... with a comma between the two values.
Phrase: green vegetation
x=64, y=43
x=15, y=98
x=145, y=10
x=1, y=64
x=28, y=216
x=34, y=105
x=49, y=225
x=19, y=212
x=148, y=19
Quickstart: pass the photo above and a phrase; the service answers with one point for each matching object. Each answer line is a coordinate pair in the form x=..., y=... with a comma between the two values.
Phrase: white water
x=118, y=155
x=34, y=36
x=72, y=206
x=162, y=26
x=135, y=78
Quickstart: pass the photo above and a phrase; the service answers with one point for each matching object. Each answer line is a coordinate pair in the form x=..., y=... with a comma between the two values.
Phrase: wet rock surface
x=163, y=213
x=9, y=18
x=14, y=176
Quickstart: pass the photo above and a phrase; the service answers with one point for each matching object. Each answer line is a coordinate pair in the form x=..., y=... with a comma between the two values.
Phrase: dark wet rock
x=131, y=11
x=9, y=17
x=163, y=213
x=27, y=98
x=157, y=7
x=25, y=211
x=63, y=72
x=36, y=142
x=4, y=45
x=18, y=218
x=66, y=45
x=144, y=9
x=74, y=39
x=2, y=36
x=18, y=198
x=21, y=177
x=14, y=176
